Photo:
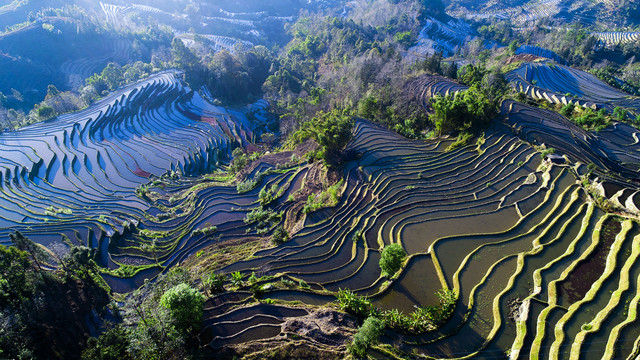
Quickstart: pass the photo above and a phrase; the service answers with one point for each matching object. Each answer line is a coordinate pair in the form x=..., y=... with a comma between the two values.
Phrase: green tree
x=464, y=110
x=45, y=112
x=112, y=75
x=38, y=255
x=185, y=305
x=16, y=282
x=331, y=130
x=368, y=334
x=113, y=344
x=186, y=60
x=391, y=260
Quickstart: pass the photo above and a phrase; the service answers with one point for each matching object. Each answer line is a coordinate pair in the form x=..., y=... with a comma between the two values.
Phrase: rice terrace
x=319, y=179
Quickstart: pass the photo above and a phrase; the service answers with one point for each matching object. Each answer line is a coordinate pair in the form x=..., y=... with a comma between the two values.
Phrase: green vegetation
x=34, y=300
x=350, y=302
x=185, y=305
x=332, y=131
x=206, y=231
x=327, y=198
x=263, y=219
x=366, y=336
x=391, y=259
x=465, y=111
x=280, y=235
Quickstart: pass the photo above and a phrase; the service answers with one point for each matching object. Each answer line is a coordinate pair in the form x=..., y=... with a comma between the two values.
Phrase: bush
x=185, y=305
x=46, y=112
x=366, y=336
x=280, y=235
x=350, y=302
x=391, y=259
x=213, y=283
x=262, y=218
x=332, y=131
x=113, y=344
x=465, y=110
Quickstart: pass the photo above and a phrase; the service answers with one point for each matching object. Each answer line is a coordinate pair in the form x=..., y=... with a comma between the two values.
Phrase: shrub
x=303, y=284
x=185, y=305
x=213, y=283
x=262, y=218
x=207, y=230
x=111, y=345
x=268, y=196
x=465, y=110
x=280, y=235
x=366, y=336
x=46, y=112
x=350, y=302
x=326, y=198
x=391, y=259
x=332, y=131
x=236, y=278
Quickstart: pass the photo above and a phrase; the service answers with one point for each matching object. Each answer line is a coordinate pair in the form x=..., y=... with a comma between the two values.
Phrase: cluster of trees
x=466, y=110
x=43, y=312
x=332, y=131
x=161, y=321
x=230, y=77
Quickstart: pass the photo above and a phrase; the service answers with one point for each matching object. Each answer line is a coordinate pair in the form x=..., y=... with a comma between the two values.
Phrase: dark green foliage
x=332, y=131
x=113, y=344
x=404, y=38
x=466, y=110
x=37, y=254
x=186, y=60
x=592, y=120
x=611, y=75
x=16, y=276
x=280, y=235
x=185, y=305
x=239, y=161
x=367, y=335
x=567, y=110
x=239, y=78
x=213, y=283
x=52, y=91
x=352, y=303
x=422, y=319
x=45, y=112
x=268, y=196
x=35, y=303
x=263, y=219
x=620, y=114
x=391, y=260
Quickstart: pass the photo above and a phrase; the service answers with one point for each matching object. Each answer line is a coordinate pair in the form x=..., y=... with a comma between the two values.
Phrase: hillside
x=319, y=179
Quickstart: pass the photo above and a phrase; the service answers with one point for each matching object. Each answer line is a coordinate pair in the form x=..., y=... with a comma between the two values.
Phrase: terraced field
x=560, y=84
x=77, y=175
x=513, y=235
x=437, y=36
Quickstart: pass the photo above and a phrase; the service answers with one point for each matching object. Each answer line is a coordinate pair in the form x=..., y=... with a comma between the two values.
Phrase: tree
x=367, y=335
x=113, y=344
x=34, y=250
x=462, y=111
x=185, y=305
x=16, y=283
x=45, y=112
x=332, y=131
x=186, y=60
x=52, y=91
x=112, y=75
x=391, y=260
